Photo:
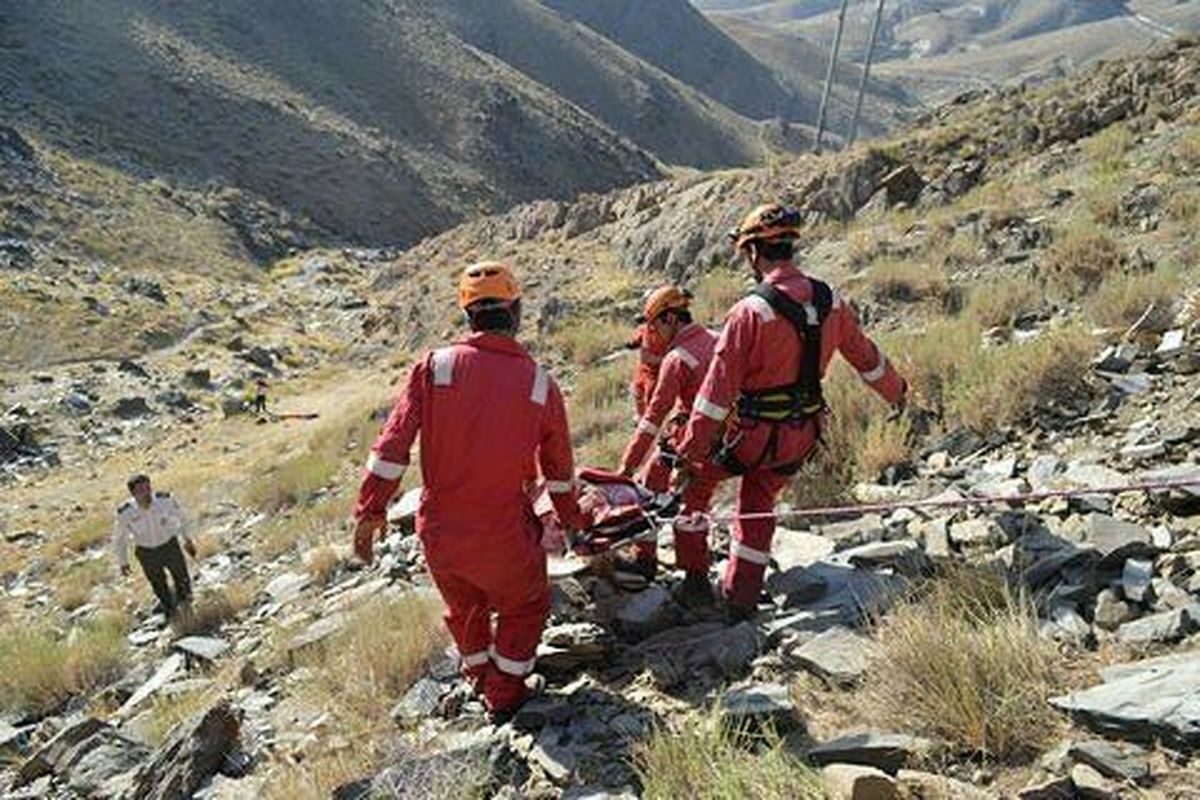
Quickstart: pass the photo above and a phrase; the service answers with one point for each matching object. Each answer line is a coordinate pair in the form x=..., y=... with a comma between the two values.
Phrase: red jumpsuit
x=645, y=374
x=759, y=349
x=679, y=379
x=488, y=418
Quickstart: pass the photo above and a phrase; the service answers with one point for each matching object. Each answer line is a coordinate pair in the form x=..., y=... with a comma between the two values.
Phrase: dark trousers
x=260, y=404
x=156, y=563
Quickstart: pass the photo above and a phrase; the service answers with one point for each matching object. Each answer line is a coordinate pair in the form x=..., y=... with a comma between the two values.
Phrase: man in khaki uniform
x=155, y=524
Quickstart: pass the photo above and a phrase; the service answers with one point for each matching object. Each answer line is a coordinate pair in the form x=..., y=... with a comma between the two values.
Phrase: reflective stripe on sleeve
x=746, y=553
x=710, y=410
x=388, y=470
x=443, y=367
x=541, y=386
x=810, y=311
x=511, y=666
x=647, y=427
x=559, y=487
x=688, y=358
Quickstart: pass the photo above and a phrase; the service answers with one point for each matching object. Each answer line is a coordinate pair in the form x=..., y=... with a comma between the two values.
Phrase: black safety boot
x=695, y=592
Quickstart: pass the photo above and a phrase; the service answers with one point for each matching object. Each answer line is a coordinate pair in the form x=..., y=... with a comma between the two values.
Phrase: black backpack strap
x=807, y=320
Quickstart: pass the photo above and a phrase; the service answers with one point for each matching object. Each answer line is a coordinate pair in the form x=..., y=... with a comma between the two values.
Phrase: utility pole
x=833, y=55
x=866, y=73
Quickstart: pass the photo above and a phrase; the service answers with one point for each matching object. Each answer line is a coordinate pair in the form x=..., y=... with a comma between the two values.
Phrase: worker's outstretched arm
x=864, y=355
x=556, y=460
x=665, y=395
x=390, y=453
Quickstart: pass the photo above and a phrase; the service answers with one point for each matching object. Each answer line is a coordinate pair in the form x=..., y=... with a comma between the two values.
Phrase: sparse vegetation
x=706, y=759
x=584, y=343
x=321, y=563
x=998, y=303
x=1001, y=385
x=1081, y=257
x=1124, y=298
x=40, y=667
x=213, y=608
x=963, y=662
x=906, y=281
x=1106, y=150
x=74, y=587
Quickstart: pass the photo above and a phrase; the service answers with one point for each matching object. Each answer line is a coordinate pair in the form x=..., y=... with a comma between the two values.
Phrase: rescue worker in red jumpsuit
x=488, y=418
x=661, y=423
x=759, y=410
x=651, y=349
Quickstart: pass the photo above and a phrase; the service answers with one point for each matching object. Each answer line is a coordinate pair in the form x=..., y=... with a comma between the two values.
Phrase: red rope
x=963, y=502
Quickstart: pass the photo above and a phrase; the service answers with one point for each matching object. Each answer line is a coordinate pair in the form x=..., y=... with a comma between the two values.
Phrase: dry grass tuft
x=963, y=662
x=358, y=676
x=1105, y=151
x=1081, y=258
x=40, y=669
x=585, y=342
x=998, y=303
x=73, y=588
x=213, y=608
x=906, y=281
x=717, y=292
x=1123, y=298
x=705, y=759
x=322, y=563
x=1002, y=385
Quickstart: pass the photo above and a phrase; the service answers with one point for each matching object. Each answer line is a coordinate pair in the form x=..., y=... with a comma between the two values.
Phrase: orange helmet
x=767, y=223
x=666, y=298
x=487, y=280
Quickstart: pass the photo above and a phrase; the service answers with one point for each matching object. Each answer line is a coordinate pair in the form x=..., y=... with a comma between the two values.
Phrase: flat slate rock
x=1112, y=761
x=838, y=655
x=172, y=666
x=1117, y=540
x=287, y=587
x=758, y=704
x=886, y=751
x=205, y=648
x=799, y=548
x=1165, y=627
x=1144, y=700
x=317, y=632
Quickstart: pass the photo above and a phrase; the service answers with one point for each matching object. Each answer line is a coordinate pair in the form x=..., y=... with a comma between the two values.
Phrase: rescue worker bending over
x=759, y=412
x=155, y=523
x=661, y=424
x=487, y=417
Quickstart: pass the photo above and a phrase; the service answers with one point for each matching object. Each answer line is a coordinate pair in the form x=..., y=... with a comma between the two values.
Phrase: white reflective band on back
x=710, y=410
x=872, y=375
x=558, y=487
x=760, y=306
x=688, y=358
x=745, y=553
x=647, y=427
x=388, y=470
x=541, y=386
x=810, y=311
x=475, y=659
x=443, y=367
x=508, y=665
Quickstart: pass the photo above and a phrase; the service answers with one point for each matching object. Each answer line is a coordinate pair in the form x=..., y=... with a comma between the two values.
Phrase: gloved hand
x=365, y=532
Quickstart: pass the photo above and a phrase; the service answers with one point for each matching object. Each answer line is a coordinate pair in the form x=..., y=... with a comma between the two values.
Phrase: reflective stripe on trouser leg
x=519, y=622
x=467, y=618
x=691, y=543
x=751, y=548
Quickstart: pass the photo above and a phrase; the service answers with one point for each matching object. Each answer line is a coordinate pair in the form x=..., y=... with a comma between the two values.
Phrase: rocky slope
x=1096, y=180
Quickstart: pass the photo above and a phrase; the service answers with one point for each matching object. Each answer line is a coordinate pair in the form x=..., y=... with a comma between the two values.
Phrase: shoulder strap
x=807, y=319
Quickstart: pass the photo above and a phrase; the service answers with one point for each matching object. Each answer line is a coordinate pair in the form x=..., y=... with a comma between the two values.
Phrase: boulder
x=203, y=648
x=792, y=549
x=1091, y=785
x=1143, y=700
x=886, y=751
x=1116, y=540
x=1165, y=626
x=193, y=753
x=131, y=408
x=1136, y=579
x=977, y=533
x=837, y=655
x=287, y=586
x=857, y=782
x=420, y=702
x=753, y=707
x=916, y=785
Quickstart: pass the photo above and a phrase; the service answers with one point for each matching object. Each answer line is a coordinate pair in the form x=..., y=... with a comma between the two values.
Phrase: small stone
x=1111, y=611
x=1136, y=578
x=857, y=782
x=1091, y=785
x=981, y=532
x=759, y=704
x=205, y=648
x=927, y=786
x=1172, y=342
x=799, y=548
x=287, y=586
x=558, y=761
x=1060, y=788
x=869, y=528
x=1111, y=761
x=420, y=702
x=1116, y=539
x=1166, y=626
